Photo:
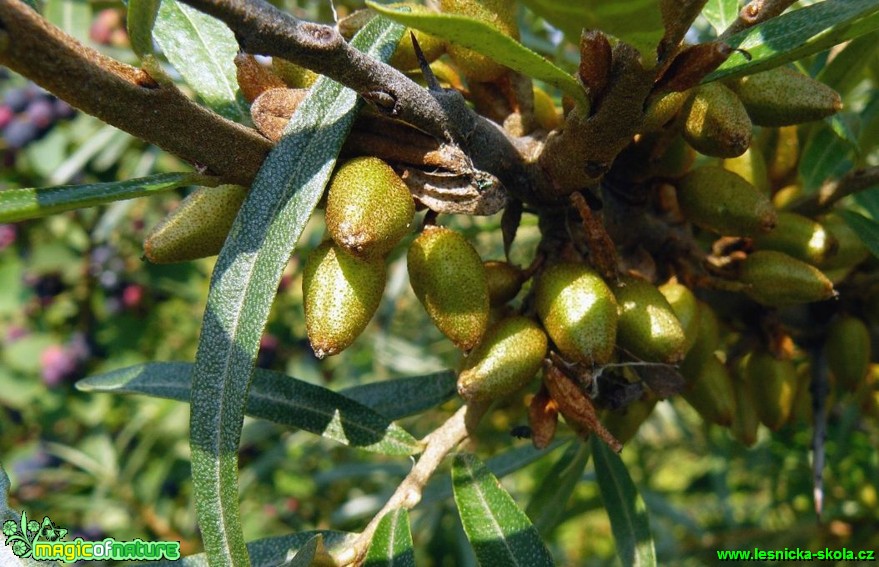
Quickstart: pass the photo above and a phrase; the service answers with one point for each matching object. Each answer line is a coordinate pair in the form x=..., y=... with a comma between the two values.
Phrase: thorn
x=429, y=77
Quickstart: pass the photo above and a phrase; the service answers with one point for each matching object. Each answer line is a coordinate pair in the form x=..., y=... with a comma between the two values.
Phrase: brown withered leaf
x=663, y=379
x=602, y=251
x=692, y=65
x=543, y=417
x=576, y=406
x=253, y=78
x=272, y=110
x=596, y=60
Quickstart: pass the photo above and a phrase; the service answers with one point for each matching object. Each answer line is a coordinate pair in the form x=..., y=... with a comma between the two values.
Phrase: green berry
x=369, y=208
x=507, y=358
x=578, y=311
x=341, y=293
x=448, y=278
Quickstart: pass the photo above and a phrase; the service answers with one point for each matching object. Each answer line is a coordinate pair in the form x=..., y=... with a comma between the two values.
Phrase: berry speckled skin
x=783, y=97
x=197, y=228
x=648, y=327
x=721, y=201
x=717, y=123
x=448, y=278
x=340, y=294
x=848, y=351
x=685, y=307
x=506, y=359
x=369, y=208
x=774, y=384
x=776, y=279
x=504, y=281
x=578, y=311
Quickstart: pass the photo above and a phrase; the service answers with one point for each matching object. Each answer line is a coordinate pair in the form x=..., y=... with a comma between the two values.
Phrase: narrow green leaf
x=245, y=279
x=203, y=50
x=270, y=552
x=626, y=509
x=275, y=397
x=797, y=34
x=391, y=546
x=485, y=39
x=500, y=466
x=846, y=69
x=637, y=22
x=403, y=397
x=721, y=13
x=547, y=506
x=140, y=20
x=21, y=204
x=843, y=125
x=74, y=17
x=824, y=156
x=866, y=229
x=498, y=530
x=869, y=200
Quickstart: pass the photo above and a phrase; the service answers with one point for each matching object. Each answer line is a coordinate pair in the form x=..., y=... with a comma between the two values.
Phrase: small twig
x=834, y=190
x=408, y=494
x=126, y=97
x=756, y=12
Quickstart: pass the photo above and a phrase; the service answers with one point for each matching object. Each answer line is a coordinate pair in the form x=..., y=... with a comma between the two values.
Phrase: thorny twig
x=834, y=190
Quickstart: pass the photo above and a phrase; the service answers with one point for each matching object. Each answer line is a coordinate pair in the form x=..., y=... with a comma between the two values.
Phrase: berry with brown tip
x=340, y=293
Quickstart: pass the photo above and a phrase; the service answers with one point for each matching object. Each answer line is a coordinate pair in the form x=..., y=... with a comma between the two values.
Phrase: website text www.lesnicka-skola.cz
x=796, y=554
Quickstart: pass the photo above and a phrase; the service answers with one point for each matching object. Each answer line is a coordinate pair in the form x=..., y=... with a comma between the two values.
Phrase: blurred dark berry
x=57, y=363
x=20, y=133
x=268, y=351
x=80, y=347
x=41, y=112
x=6, y=116
x=17, y=99
x=7, y=236
x=48, y=286
x=63, y=110
x=109, y=280
x=101, y=254
x=132, y=296
x=15, y=332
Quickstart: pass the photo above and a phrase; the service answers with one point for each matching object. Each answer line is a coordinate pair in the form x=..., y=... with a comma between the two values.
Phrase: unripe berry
x=647, y=326
x=340, y=293
x=848, y=351
x=504, y=281
x=685, y=307
x=197, y=228
x=850, y=249
x=500, y=14
x=745, y=421
x=507, y=358
x=578, y=311
x=448, y=278
x=773, y=383
x=717, y=123
x=799, y=237
x=750, y=166
x=720, y=201
x=545, y=112
x=624, y=424
x=776, y=279
x=710, y=390
x=369, y=208
x=783, y=97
